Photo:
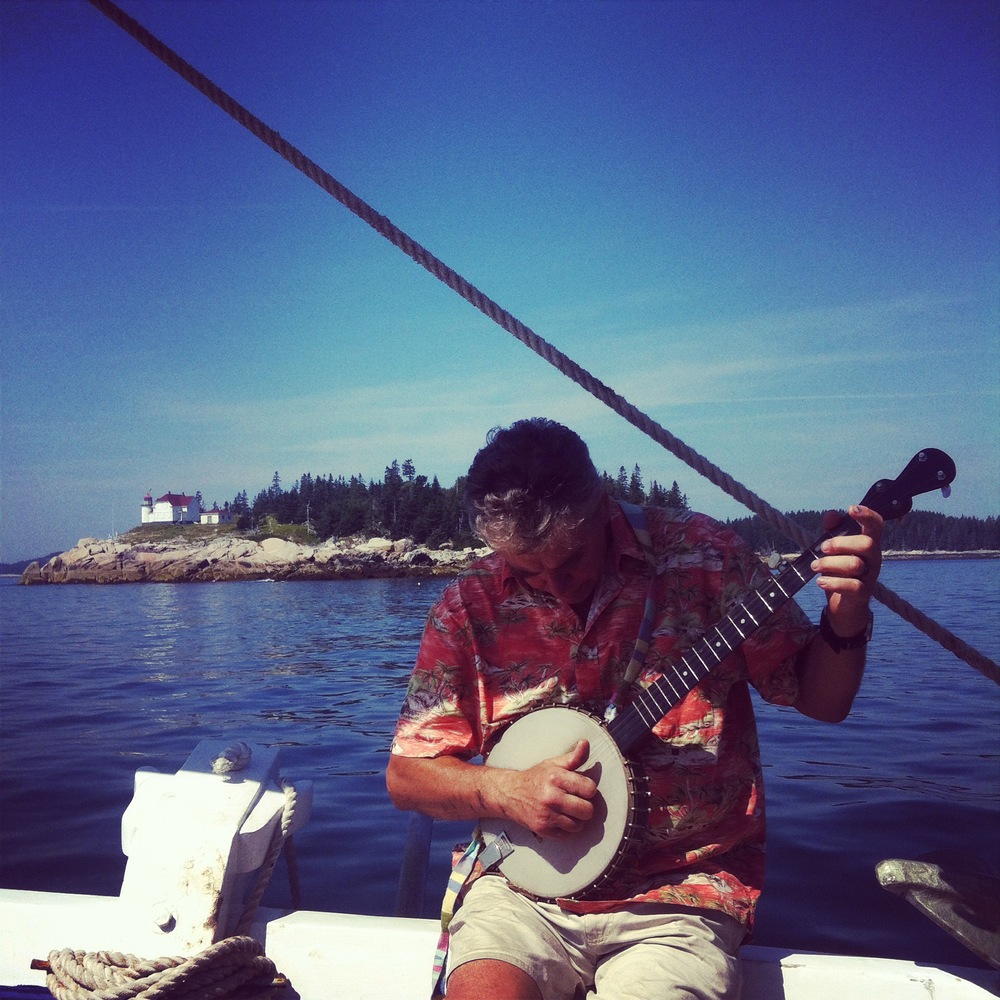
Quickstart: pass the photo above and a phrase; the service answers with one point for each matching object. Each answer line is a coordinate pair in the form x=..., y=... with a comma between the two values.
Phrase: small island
x=405, y=526
x=226, y=556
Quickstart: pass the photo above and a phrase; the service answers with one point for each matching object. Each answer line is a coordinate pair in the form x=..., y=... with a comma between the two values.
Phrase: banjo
x=577, y=864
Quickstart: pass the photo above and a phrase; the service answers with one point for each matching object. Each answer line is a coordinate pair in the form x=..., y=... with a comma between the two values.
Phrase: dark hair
x=530, y=482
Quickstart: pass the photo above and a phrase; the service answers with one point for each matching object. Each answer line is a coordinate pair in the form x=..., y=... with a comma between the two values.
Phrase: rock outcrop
x=229, y=557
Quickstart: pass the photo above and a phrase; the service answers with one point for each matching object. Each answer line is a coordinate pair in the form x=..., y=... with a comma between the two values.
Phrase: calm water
x=98, y=681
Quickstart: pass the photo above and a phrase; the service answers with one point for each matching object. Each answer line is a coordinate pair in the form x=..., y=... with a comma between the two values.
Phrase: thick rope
x=233, y=758
x=235, y=967
x=384, y=227
x=279, y=840
x=448, y=276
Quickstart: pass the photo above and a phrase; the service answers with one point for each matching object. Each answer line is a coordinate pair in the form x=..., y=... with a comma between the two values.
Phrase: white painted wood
x=181, y=835
x=340, y=956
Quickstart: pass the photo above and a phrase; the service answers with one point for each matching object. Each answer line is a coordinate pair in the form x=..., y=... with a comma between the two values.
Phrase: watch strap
x=839, y=642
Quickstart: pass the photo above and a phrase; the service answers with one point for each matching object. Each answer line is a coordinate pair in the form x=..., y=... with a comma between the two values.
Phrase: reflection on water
x=97, y=681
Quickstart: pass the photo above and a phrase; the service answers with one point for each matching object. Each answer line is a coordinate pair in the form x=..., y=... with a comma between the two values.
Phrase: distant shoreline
x=367, y=568
x=896, y=555
x=973, y=554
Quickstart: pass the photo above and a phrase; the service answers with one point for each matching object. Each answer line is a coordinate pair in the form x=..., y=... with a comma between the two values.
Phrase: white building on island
x=217, y=516
x=171, y=508
x=178, y=508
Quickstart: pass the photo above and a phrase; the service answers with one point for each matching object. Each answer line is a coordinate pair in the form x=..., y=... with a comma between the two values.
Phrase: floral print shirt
x=494, y=649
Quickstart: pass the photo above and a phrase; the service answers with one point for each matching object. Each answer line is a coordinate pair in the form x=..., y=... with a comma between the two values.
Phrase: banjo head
x=551, y=868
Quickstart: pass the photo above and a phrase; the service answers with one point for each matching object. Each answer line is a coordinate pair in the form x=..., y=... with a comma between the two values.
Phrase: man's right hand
x=552, y=797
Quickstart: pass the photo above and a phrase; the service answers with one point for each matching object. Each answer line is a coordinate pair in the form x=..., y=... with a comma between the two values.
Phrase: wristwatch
x=837, y=642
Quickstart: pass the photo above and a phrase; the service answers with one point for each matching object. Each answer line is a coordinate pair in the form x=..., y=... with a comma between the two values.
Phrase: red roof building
x=176, y=508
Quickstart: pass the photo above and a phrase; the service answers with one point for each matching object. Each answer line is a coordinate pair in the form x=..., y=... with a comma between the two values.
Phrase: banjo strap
x=637, y=519
x=488, y=856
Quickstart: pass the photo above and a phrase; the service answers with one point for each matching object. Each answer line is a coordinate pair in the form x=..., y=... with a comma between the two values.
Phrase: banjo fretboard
x=698, y=661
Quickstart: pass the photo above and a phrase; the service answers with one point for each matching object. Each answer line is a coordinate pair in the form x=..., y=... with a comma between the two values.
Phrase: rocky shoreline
x=230, y=557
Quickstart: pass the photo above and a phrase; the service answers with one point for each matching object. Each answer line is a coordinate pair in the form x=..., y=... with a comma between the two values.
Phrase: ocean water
x=96, y=682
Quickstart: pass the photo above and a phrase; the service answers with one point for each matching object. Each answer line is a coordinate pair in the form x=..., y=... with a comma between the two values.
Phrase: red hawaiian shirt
x=494, y=649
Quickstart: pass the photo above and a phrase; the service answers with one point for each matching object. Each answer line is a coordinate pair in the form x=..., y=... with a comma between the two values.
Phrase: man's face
x=570, y=568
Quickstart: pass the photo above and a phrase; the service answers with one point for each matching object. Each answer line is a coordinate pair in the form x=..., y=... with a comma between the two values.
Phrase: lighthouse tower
x=147, y=507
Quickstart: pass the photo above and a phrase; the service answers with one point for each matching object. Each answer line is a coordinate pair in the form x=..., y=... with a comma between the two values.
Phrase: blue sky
x=771, y=226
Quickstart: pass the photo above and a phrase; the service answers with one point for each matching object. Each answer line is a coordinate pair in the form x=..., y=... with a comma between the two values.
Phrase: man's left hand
x=849, y=567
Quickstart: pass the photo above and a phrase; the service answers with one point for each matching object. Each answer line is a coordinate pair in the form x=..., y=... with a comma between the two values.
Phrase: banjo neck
x=724, y=638
x=928, y=470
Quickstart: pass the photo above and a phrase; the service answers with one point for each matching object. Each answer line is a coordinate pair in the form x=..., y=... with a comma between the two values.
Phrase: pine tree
x=675, y=499
x=636, y=494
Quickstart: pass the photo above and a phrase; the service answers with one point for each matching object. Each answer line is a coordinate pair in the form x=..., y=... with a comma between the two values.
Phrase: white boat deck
x=341, y=956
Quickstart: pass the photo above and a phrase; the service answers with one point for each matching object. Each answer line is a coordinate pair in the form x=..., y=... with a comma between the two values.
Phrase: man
x=551, y=618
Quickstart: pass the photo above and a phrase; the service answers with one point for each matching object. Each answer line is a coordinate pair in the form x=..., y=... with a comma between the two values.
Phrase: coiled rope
x=232, y=969
x=235, y=967
x=384, y=227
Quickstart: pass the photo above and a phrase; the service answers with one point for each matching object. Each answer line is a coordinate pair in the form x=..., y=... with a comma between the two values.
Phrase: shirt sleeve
x=439, y=714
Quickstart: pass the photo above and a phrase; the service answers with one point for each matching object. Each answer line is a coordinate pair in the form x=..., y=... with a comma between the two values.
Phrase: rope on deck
x=235, y=967
x=384, y=227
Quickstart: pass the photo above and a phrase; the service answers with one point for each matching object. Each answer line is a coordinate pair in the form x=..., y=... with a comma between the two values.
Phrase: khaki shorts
x=646, y=951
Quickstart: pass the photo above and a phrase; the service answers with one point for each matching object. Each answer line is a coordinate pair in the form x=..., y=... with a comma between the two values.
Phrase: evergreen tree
x=389, y=499
x=636, y=494
x=241, y=510
x=675, y=499
x=620, y=489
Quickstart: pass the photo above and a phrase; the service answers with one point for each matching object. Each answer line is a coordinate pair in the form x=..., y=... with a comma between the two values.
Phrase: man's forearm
x=849, y=565
x=828, y=680
x=443, y=787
